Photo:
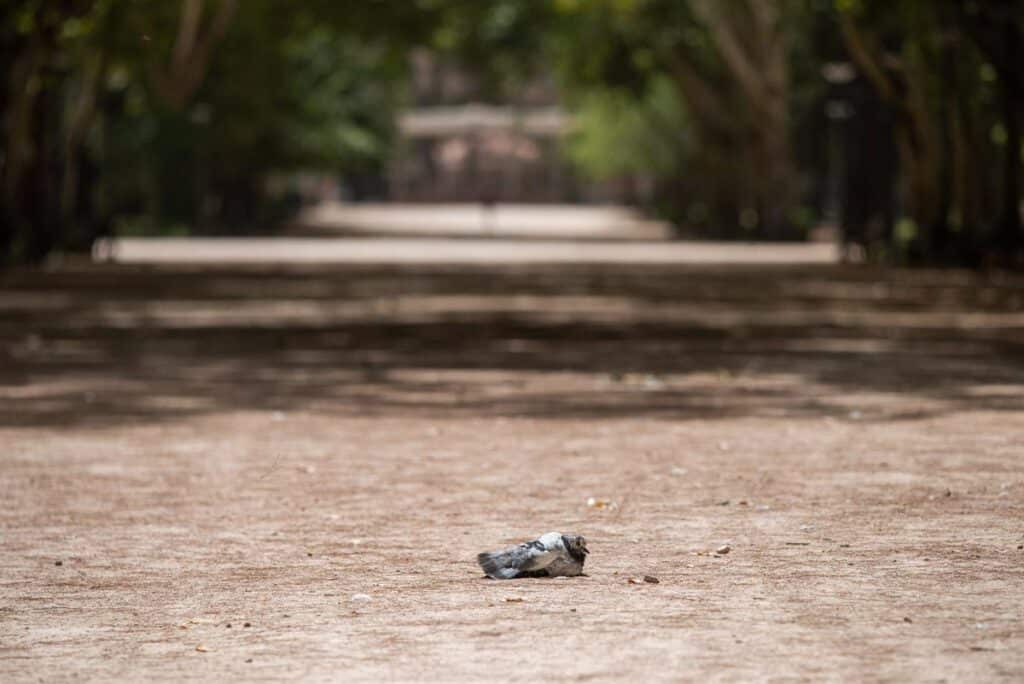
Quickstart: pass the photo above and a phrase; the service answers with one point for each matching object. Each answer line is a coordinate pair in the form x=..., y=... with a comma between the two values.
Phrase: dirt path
x=223, y=458
x=451, y=251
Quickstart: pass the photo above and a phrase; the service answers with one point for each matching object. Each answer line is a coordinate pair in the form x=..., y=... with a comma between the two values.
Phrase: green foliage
x=504, y=42
x=285, y=89
x=617, y=135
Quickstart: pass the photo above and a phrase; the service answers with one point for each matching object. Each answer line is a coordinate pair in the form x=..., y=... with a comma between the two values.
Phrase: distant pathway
x=547, y=221
x=454, y=250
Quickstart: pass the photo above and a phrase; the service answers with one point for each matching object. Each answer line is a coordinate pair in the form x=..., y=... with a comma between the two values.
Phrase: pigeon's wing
x=564, y=567
x=507, y=564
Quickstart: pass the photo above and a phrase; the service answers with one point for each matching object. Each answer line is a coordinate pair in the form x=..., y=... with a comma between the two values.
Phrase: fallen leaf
x=651, y=579
x=513, y=599
x=201, y=648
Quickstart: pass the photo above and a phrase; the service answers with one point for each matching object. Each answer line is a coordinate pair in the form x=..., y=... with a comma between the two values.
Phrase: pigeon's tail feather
x=499, y=564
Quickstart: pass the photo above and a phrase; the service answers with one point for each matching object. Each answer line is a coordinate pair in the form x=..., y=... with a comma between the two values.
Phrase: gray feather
x=564, y=567
x=509, y=563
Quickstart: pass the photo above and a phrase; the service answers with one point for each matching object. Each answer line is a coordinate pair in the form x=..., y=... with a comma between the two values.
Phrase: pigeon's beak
x=585, y=550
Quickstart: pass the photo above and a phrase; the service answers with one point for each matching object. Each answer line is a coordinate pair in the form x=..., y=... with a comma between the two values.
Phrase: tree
x=935, y=65
x=178, y=110
x=997, y=30
x=729, y=63
x=34, y=35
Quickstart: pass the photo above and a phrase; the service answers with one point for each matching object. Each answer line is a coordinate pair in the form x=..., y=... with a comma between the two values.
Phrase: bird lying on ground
x=551, y=555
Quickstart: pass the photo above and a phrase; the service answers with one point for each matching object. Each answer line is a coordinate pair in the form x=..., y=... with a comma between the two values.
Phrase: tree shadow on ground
x=105, y=345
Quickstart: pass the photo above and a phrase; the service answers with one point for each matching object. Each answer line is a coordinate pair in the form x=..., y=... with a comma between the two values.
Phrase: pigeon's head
x=577, y=545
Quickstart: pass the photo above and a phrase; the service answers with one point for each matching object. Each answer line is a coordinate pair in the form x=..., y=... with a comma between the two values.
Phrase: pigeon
x=550, y=555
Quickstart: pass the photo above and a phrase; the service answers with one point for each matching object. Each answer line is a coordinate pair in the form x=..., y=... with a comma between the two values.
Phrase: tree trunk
x=79, y=122
x=900, y=89
x=750, y=40
x=37, y=186
x=1010, y=224
x=939, y=233
x=192, y=50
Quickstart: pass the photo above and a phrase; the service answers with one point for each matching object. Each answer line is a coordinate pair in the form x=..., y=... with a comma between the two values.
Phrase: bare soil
x=201, y=469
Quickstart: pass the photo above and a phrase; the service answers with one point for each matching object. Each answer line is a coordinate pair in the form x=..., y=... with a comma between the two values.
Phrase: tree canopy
x=898, y=120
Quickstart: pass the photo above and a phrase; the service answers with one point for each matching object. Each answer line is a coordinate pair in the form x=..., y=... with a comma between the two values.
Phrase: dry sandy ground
x=201, y=468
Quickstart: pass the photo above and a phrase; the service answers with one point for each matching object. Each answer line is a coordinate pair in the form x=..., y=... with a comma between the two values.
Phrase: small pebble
x=724, y=549
x=229, y=625
x=58, y=562
x=361, y=598
x=248, y=660
x=651, y=579
x=247, y=624
x=906, y=619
